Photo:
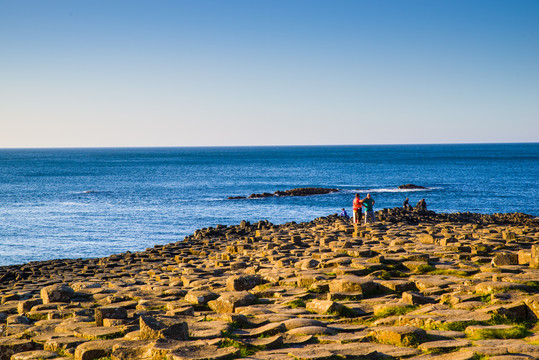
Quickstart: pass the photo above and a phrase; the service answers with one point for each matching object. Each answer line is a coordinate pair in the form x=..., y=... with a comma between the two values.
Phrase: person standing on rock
x=344, y=214
x=357, y=209
x=368, y=202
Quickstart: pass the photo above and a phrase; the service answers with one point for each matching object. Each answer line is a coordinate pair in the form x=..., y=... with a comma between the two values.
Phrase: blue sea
x=81, y=203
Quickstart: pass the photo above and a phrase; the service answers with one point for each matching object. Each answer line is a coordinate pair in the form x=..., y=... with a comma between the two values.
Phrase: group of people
x=357, y=207
x=421, y=204
x=368, y=204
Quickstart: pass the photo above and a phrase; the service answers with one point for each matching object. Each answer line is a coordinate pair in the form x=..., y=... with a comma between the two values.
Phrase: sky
x=129, y=73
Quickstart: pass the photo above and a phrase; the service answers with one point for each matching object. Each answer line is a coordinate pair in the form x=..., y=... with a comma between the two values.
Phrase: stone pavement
x=414, y=285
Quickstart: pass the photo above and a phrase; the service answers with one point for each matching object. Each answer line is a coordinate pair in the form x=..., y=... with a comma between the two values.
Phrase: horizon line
x=259, y=146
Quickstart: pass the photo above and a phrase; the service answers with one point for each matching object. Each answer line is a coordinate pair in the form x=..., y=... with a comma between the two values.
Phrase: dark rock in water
x=258, y=196
x=411, y=186
x=292, y=192
x=305, y=191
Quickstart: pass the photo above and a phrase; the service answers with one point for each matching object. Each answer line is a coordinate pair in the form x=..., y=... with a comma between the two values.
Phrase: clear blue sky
x=275, y=72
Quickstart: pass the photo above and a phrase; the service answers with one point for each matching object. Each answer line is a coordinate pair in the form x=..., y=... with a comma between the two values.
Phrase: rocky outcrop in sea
x=413, y=285
x=411, y=186
x=292, y=192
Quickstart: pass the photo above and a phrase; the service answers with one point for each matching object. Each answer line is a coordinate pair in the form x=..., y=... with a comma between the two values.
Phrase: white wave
x=394, y=190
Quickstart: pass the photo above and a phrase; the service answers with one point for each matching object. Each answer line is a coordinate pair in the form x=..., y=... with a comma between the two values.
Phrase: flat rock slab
x=311, y=354
x=493, y=332
x=132, y=349
x=344, y=338
x=94, y=349
x=445, y=334
x=399, y=335
x=209, y=352
x=457, y=355
x=99, y=332
x=511, y=357
x=443, y=345
x=489, y=287
x=207, y=329
x=272, y=342
x=10, y=346
x=312, y=330
x=346, y=327
x=34, y=355
x=506, y=346
x=301, y=322
x=269, y=329
x=291, y=340
x=63, y=343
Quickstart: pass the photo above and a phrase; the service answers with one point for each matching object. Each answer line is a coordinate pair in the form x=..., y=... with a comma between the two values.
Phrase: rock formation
x=413, y=285
x=411, y=186
x=292, y=192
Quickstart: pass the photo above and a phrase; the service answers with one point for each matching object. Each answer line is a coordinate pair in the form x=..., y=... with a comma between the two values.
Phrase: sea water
x=80, y=203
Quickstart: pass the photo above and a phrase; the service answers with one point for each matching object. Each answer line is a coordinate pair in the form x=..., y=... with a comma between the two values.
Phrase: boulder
x=56, y=293
x=242, y=282
x=109, y=312
x=153, y=328
x=352, y=284
x=399, y=335
x=505, y=259
x=324, y=306
x=9, y=346
x=35, y=355
x=200, y=297
x=228, y=301
x=92, y=350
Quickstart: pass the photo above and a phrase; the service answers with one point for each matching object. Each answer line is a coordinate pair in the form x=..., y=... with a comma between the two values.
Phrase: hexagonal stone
x=228, y=301
x=109, y=312
x=208, y=352
x=152, y=328
x=272, y=342
x=92, y=350
x=301, y=322
x=56, y=293
x=312, y=330
x=9, y=346
x=353, y=284
x=99, y=332
x=242, y=282
x=324, y=306
x=269, y=329
x=311, y=354
x=134, y=349
x=456, y=355
x=207, y=329
x=200, y=297
x=495, y=332
x=63, y=343
x=489, y=287
x=443, y=345
x=399, y=335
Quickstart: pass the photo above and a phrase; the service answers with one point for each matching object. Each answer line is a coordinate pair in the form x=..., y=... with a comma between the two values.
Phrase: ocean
x=81, y=203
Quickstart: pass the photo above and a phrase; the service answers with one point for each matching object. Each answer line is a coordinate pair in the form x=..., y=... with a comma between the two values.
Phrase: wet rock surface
x=414, y=285
x=292, y=192
x=411, y=186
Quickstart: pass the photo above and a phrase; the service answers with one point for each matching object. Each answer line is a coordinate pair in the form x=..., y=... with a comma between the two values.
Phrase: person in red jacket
x=358, y=209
